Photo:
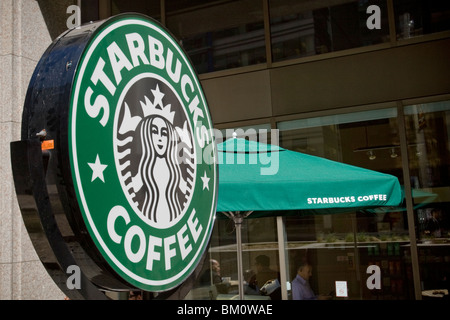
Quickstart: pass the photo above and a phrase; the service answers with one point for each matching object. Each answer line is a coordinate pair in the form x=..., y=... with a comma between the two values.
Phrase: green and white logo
x=142, y=153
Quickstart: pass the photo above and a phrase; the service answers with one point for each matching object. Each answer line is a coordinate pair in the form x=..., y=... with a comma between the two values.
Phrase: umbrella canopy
x=261, y=177
x=421, y=199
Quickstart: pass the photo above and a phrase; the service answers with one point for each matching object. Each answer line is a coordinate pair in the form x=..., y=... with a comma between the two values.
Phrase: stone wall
x=24, y=36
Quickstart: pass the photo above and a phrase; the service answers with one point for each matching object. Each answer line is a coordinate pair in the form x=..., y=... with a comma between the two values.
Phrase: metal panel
x=373, y=77
x=239, y=97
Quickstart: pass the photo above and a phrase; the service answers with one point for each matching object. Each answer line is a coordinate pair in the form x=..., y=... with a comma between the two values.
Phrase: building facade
x=360, y=82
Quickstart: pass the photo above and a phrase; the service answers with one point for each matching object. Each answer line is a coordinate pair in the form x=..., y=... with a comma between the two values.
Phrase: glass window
x=304, y=28
x=149, y=8
x=220, y=35
x=260, y=261
x=89, y=11
x=348, y=247
x=259, y=132
x=428, y=134
x=419, y=17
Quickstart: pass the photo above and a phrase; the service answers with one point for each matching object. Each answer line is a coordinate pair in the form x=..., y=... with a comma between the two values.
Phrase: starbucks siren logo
x=159, y=183
x=142, y=153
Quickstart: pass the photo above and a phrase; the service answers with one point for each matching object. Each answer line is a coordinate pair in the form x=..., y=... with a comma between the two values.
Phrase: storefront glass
x=260, y=261
x=367, y=252
x=260, y=258
x=361, y=255
x=89, y=11
x=305, y=28
x=224, y=35
x=428, y=134
x=149, y=8
x=230, y=34
x=419, y=17
x=257, y=132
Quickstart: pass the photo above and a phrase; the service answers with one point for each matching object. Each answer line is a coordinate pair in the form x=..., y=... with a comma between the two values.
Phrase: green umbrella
x=421, y=199
x=263, y=179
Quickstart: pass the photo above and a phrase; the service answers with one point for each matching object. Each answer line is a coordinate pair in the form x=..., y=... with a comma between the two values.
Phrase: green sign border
x=112, y=26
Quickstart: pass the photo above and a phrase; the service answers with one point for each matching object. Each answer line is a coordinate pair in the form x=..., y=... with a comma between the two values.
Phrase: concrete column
x=23, y=39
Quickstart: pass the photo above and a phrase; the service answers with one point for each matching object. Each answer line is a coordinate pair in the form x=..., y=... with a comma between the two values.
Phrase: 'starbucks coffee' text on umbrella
x=262, y=177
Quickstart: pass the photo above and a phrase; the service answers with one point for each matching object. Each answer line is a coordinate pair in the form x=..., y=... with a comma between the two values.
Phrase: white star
x=97, y=169
x=158, y=96
x=205, y=180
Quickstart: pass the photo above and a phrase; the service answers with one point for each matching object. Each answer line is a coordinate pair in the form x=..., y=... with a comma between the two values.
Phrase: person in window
x=250, y=282
x=212, y=274
x=264, y=275
x=301, y=289
x=432, y=227
x=263, y=271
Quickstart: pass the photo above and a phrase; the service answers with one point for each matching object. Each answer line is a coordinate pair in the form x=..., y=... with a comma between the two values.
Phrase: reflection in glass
x=428, y=133
x=149, y=8
x=304, y=28
x=341, y=247
x=257, y=132
x=418, y=17
x=224, y=35
x=260, y=254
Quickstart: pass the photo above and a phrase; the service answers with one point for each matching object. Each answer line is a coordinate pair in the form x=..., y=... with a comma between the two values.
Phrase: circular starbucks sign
x=142, y=153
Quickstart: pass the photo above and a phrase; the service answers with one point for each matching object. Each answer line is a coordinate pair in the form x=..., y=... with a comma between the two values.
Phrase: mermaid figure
x=155, y=158
x=159, y=170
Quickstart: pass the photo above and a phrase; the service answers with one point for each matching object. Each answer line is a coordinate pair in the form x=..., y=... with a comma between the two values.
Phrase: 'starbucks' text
x=151, y=52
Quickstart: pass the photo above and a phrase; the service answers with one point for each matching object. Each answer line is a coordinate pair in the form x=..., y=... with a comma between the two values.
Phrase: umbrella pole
x=238, y=224
x=238, y=217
